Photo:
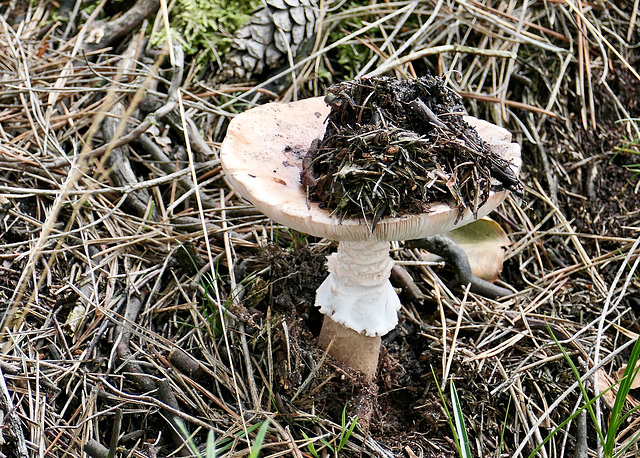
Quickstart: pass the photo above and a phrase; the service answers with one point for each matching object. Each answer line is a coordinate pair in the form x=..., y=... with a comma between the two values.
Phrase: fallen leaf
x=74, y=319
x=161, y=138
x=605, y=383
x=483, y=241
x=635, y=383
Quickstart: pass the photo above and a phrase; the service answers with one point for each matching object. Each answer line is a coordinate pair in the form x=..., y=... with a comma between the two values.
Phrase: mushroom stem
x=359, y=304
x=352, y=348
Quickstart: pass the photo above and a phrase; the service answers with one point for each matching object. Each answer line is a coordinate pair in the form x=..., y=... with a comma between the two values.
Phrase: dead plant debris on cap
x=394, y=147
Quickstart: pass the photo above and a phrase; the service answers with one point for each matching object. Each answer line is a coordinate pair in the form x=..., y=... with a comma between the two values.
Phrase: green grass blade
x=504, y=428
x=564, y=423
x=345, y=437
x=463, y=448
x=185, y=433
x=627, y=445
x=346, y=433
x=616, y=417
x=210, y=451
x=328, y=445
x=583, y=390
x=629, y=413
x=310, y=446
x=446, y=409
x=227, y=442
x=257, y=444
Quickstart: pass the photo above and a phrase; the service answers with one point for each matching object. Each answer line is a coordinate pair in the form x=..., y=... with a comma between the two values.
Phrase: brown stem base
x=355, y=350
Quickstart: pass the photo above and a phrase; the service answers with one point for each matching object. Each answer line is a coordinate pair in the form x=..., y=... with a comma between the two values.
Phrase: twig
x=172, y=118
x=546, y=166
x=249, y=366
x=452, y=253
x=312, y=374
x=400, y=278
x=426, y=114
x=122, y=351
x=599, y=35
x=253, y=389
x=14, y=420
x=582, y=448
x=511, y=103
x=122, y=172
x=440, y=50
x=10, y=368
x=167, y=166
x=165, y=393
x=568, y=391
x=105, y=324
x=95, y=449
x=125, y=24
x=115, y=433
x=150, y=400
x=134, y=371
x=149, y=120
x=632, y=21
x=184, y=362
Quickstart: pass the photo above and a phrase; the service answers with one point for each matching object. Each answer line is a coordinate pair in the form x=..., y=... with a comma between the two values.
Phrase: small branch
x=400, y=278
x=253, y=389
x=10, y=368
x=507, y=102
x=426, y=114
x=440, y=50
x=198, y=143
x=165, y=393
x=454, y=255
x=184, y=362
x=134, y=371
x=124, y=331
x=163, y=161
x=134, y=304
x=125, y=24
x=115, y=434
x=121, y=171
x=14, y=420
x=582, y=448
x=95, y=449
x=105, y=324
x=149, y=120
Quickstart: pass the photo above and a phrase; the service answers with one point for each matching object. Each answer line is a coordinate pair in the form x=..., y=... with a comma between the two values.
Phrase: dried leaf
x=74, y=319
x=483, y=242
x=635, y=384
x=604, y=383
x=161, y=138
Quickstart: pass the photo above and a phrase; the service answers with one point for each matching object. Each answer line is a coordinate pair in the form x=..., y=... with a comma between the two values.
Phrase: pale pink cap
x=262, y=158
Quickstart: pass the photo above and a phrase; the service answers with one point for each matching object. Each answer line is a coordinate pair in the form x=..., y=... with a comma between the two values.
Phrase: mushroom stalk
x=359, y=304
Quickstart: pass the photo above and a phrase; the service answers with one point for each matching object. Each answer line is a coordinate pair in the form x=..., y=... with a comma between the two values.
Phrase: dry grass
x=111, y=329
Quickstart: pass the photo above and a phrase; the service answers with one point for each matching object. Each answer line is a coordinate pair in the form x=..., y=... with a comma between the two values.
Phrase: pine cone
x=264, y=42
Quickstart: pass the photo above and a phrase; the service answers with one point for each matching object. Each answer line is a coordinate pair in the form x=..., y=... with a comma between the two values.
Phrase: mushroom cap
x=262, y=157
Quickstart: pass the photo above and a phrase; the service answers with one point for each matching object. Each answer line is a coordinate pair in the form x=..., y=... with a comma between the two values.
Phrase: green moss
x=205, y=27
x=351, y=57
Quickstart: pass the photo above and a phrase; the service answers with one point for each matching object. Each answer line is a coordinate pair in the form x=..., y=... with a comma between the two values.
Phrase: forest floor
x=141, y=312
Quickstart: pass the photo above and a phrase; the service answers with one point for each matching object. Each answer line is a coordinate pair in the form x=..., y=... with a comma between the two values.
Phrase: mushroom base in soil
x=262, y=156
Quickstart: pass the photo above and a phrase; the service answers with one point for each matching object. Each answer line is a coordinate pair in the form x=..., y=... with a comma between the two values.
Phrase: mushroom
x=262, y=157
